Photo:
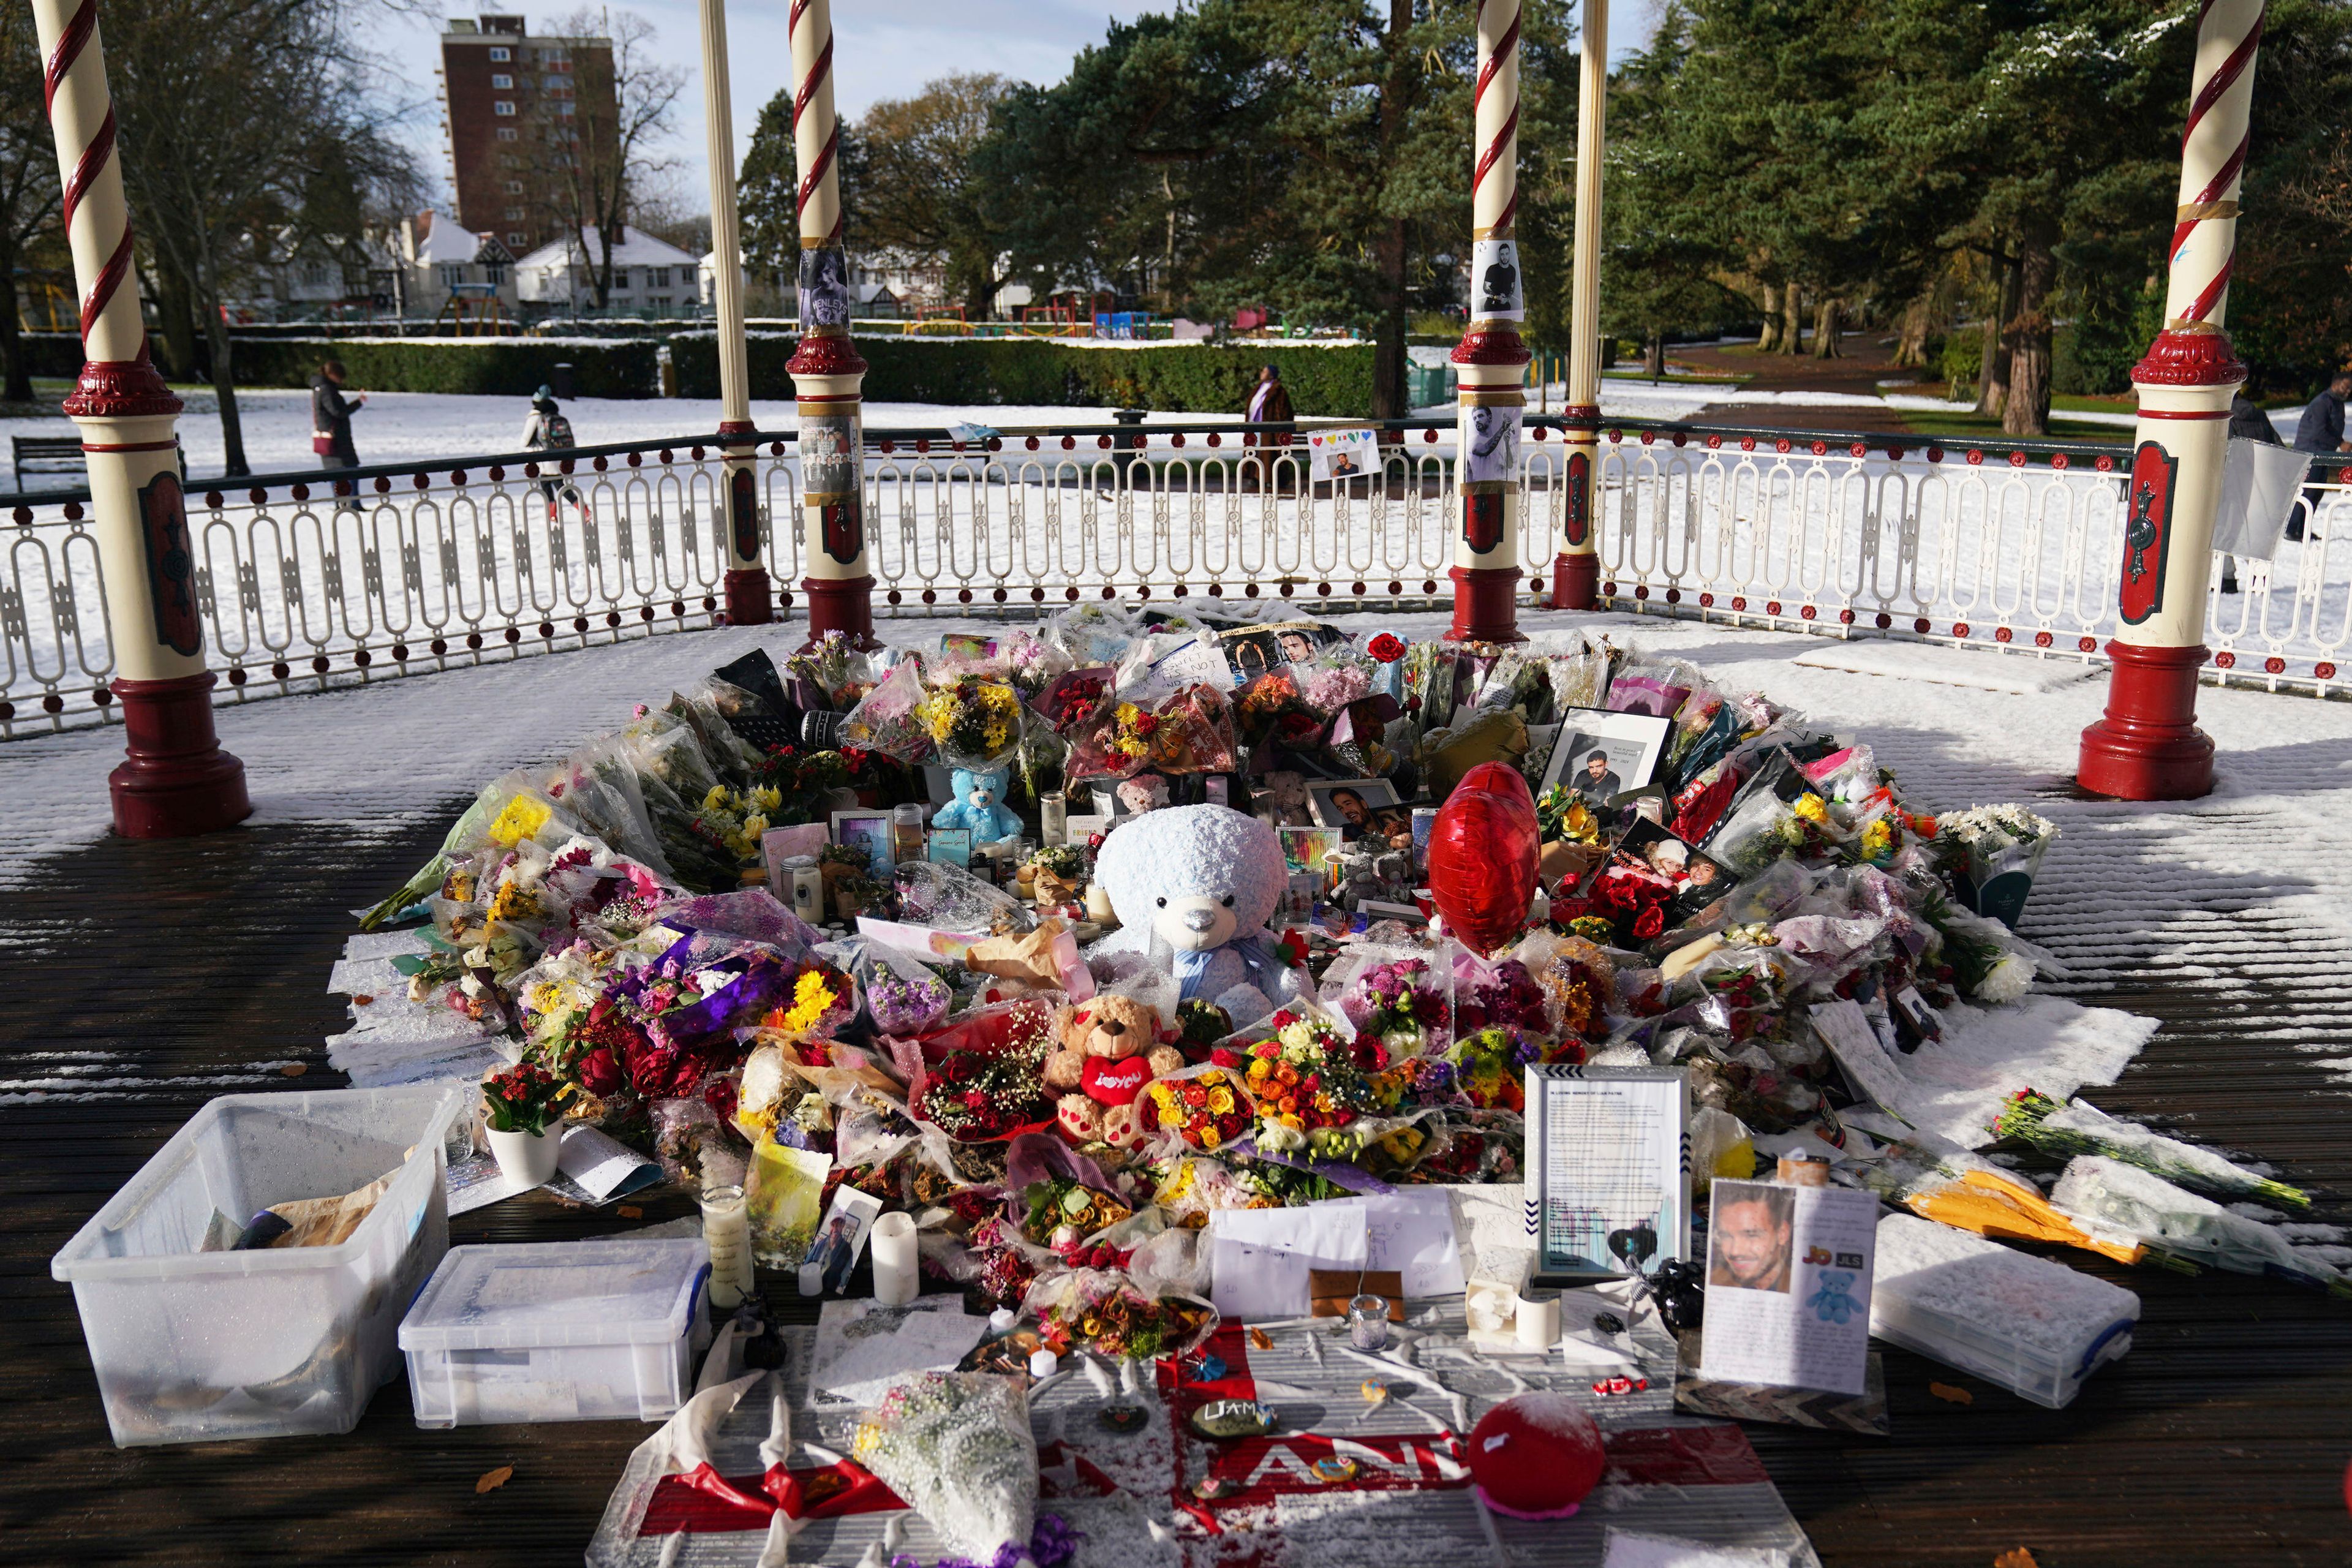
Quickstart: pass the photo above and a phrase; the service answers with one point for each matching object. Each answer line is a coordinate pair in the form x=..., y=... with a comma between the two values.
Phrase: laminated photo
x=1496, y=295
x=1490, y=452
x=1788, y=1285
x=1343, y=454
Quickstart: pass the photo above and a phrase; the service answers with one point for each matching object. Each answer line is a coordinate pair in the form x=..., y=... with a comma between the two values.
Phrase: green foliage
x=1962, y=361
x=1188, y=378
x=505, y=367
x=770, y=223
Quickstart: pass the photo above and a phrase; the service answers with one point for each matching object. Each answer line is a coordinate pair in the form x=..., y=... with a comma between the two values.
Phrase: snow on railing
x=413, y=569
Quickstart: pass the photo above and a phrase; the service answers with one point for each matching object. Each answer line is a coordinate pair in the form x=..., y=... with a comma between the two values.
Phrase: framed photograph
x=1608, y=1171
x=1360, y=809
x=1254, y=650
x=1699, y=879
x=1600, y=754
x=870, y=830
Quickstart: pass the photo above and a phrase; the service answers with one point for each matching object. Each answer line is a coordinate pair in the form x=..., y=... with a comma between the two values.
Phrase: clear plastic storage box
x=191, y=1345
x=572, y=1331
x=2034, y=1327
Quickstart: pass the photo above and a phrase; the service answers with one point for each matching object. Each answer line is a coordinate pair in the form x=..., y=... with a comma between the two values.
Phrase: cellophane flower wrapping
x=1104, y=1310
x=1196, y=733
x=886, y=721
x=902, y=996
x=975, y=723
x=958, y=1448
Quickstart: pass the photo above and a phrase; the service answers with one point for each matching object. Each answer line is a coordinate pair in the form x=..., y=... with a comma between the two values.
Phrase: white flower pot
x=527, y=1157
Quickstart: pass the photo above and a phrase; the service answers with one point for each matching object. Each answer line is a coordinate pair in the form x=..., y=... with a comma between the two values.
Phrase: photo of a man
x=1361, y=818
x=1596, y=782
x=1749, y=1237
x=1296, y=647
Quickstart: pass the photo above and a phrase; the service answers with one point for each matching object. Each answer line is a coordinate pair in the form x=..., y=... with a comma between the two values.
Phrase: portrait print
x=1748, y=1236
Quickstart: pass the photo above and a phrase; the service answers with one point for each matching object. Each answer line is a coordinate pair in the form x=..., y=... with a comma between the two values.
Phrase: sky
x=882, y=49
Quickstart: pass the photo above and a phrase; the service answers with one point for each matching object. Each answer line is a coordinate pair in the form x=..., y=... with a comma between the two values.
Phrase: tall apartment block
x=511, y=103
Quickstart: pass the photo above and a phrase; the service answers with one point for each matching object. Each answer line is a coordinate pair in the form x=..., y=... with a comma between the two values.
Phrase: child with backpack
x=547, y=430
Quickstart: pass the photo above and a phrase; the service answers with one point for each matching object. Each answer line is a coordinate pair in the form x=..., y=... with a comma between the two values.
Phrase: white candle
x=1538, y=1323
x=896, y=1281
x=726, y=1232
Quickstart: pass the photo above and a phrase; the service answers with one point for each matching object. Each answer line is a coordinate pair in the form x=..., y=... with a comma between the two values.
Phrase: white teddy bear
x=1193, y=886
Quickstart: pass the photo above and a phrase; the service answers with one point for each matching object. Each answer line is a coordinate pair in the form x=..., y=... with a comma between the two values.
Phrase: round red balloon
x=1535, y=1457
x=1482, y=857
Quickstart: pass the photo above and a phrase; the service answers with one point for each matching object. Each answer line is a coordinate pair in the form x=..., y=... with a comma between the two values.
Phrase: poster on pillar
x=1495, y=280
x=1579, y=500
x=829, y=447
x=824, y=290
x=1490, y=447
x=170, y=566
x=2148, y=533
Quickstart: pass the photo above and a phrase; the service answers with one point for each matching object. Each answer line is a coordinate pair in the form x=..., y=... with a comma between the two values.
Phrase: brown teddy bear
x=1107, y=1051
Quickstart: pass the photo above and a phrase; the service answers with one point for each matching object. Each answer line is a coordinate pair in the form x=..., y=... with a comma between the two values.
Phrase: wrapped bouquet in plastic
x=957, y=1446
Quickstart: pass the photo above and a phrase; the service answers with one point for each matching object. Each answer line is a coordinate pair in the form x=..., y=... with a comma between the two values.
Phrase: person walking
x=1269, y=400
x=2321, y=433
x=547, y=430
x=2247, y=423
x=331, y=408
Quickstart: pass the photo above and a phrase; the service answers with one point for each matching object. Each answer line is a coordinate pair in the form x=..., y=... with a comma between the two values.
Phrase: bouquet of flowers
x=980, y=1099
x=1201, y=1024
x=1208, y=1109
x=1991, y=855
x=1397, y=1004
x=1073, y=699
x=1064, y=1211
x=523, y=1098
x=1487, y=1068
x=1311, y=1082
x=1104, y=1313
x=2080, y=1128
x=732, y=820
x=1561, y=814
x=1195, y=733
x=1488, y=993
x=975, y=723
x=1335, y=678
x=1117, y=744
x=823, y=999
x=957, y=1446
x=886, y=719
x=903, y=1003
x=1271, y=707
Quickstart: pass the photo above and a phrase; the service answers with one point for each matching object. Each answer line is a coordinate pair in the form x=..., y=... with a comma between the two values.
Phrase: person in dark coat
x=2321, y=433
x=2247, y=423
x=331, y=424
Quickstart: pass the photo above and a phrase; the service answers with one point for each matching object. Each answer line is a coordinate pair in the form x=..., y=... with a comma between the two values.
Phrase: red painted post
x=175, y=780
x=750, y=602
x=2148, y=746
x=1491, y=362
x=828, y=378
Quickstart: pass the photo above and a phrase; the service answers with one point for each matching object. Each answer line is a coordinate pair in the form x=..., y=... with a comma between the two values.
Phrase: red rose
x=720, y=1094
x=600, y=1072
x=1650, y=923
x=1386, y=648
x=1225, y=1056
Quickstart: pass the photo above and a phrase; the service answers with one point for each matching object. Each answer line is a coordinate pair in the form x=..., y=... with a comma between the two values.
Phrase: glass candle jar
x=1367, y=1322
x=726, y=1232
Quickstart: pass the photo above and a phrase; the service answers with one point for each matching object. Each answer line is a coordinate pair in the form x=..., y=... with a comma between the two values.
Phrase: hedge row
x=506, y=367
x=1187, y=378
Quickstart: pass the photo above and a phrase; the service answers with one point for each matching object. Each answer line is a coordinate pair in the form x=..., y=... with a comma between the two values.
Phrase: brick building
x=510, y=101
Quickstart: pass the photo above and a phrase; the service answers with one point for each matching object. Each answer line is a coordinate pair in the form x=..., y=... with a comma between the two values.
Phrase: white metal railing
x=416, y=569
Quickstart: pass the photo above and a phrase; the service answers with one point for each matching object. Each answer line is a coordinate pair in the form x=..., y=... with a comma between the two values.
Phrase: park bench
x=45, y=454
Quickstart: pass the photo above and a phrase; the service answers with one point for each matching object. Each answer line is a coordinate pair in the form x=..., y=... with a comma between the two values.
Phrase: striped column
x=827, y=375
x=2149, y=747
x=748, y=599
x=1576, y=571
x=1491, y=362
x=174, y=779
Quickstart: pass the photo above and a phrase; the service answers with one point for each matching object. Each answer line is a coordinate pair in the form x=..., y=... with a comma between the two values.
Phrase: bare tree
x=218, y=186
x=595, y=161
x=908, y=181
x=28, y=178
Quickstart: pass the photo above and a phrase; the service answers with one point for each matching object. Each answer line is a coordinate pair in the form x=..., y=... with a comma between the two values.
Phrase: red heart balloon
x=1482, y=857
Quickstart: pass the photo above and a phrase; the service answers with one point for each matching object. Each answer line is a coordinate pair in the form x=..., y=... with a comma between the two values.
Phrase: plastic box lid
x=509, y=1297
x=1936, y=1287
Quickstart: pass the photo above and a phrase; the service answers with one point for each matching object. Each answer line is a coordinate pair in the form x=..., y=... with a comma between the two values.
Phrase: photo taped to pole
x=1494, y=281
x=1608, y=1163
x=171, y=566
x=824, y=290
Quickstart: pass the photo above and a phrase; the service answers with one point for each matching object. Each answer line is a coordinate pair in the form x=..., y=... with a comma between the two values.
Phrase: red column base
x=1485, y=604
x=844, y=604
x=1576, y=580
x=176, y=782
x=748, y=604
x=2148, y=746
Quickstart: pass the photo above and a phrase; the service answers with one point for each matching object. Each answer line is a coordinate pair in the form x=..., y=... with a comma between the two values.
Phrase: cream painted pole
x=174, y=779
x=2149, y=747
x=1576, y=572
x=1491, y=362
x=749, y=601
x=827, y=375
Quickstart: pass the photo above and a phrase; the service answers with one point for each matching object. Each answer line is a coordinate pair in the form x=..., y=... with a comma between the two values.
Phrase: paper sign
x=1260, y=1258
x=863, y=1346
x=1788, y=1285
x=1610, y=1169
x=1412, y=1232
x=1494, y=292
x=1343, y=454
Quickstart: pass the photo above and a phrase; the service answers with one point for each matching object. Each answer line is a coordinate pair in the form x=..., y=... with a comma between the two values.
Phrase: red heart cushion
x=1115, y=1082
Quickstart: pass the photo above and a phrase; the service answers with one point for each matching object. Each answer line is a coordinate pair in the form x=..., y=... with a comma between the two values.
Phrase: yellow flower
x=1209, y=1138
x=522, y=819
x=754, y=826
x=1259, y=1067
x=1221, y=1101
x=717, y=799
x=811, y=998
x=1812, y=808
x=768, y=798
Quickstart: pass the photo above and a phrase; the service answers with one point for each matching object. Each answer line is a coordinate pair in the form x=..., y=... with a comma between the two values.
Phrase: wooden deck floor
x=2221, y=1438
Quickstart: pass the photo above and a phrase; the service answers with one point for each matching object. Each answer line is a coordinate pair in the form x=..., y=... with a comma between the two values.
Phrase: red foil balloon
x=1482, y=857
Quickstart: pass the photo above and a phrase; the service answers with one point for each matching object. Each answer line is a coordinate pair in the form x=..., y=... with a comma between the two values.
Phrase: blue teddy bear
x=976, y=807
